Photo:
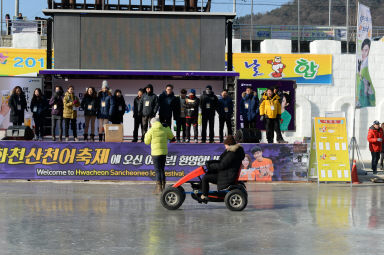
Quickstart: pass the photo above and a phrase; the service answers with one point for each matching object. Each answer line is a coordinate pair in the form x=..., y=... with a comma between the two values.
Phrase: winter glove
x=262, y=118
x=379, y=139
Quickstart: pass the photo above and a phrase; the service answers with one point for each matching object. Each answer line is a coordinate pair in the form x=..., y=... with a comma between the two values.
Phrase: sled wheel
x=236, y=200
x=172, y=198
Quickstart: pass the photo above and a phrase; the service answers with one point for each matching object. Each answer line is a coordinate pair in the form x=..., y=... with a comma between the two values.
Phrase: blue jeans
x=159, y=163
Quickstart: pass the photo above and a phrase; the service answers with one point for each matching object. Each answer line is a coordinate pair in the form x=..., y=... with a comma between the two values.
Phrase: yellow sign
x=303, y=68
x=329, y=158
x=22, y=62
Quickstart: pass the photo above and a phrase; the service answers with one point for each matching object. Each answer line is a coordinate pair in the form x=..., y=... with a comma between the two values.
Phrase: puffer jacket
x=149, y=105
x=373, y=134
x=228, y=166
x=158, y=136
x=249, y=106
x=136, y=104
x=192, y=107
x=168, y=105
x=57, y=105
x=117, y=109
x=225, y=108
x=104, y=105
x=14, y=103
x=270, y=107
x=208, y=104
x=39, y=106
x=90, y=105
x=70, y=101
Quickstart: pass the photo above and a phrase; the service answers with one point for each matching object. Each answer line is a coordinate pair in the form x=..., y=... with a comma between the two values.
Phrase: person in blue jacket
x=225, y=111
x=104, y=108
x=249, y=107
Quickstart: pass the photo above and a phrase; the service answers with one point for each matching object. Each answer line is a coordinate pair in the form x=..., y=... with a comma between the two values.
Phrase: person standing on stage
x=18, y=105
x=225, y=111
x=90, y=106
x=192, y=114
x=38, y=107
x=249, y=107
x=181, y=116
x=149, y=106
x=137, y=117
x=208, y=104
x=57, y=105
x=168, y=105
x=117, y=108
x=158, y=136
x=104, y=108
x=71, y=102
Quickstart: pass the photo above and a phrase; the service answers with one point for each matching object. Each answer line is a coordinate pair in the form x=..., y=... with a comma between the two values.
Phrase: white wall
x=315, y=100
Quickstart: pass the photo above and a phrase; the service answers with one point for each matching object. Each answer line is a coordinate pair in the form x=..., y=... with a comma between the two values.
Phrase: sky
x=33, y=8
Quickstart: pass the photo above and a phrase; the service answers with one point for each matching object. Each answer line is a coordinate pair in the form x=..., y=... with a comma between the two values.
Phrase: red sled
x=234, y=196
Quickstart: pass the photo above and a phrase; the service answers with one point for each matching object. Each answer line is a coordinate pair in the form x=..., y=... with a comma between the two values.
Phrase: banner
x=22, y=62
x=329, y=157
x=287, y=88
x=365, y=92
x=132, y=161
x=302, y=68
x=28, y=85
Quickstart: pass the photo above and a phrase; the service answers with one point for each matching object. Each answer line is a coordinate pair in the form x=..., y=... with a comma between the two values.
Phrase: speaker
x=19, y=133
x=248, y=135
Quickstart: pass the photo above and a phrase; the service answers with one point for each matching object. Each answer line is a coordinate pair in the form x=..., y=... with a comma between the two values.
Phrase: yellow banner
x=303, y=68
x=329, y=158
x=21, y=62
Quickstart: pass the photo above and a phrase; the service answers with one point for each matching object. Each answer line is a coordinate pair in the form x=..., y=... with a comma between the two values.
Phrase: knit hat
x=208, y=87
x=104, y=84
x=192, y=91
x=154, y=120
x=230, y=140
x=376, y=122
x=150, y=86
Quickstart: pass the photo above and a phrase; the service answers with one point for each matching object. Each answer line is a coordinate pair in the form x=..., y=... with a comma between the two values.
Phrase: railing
x=9, y=27
x=307, y=33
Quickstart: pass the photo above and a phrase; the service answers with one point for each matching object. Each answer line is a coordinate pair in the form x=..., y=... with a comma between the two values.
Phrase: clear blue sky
x=32, y=8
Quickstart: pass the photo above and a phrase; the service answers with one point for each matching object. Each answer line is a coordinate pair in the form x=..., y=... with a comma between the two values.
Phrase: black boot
x=100, y=137
x=85, y=137
x=103, y=137
x=92, y=137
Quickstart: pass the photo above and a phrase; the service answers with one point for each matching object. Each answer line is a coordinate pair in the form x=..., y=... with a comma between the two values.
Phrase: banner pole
x=354, y=142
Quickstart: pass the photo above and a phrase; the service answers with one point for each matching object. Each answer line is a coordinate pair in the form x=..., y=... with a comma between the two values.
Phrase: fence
x=9, y=27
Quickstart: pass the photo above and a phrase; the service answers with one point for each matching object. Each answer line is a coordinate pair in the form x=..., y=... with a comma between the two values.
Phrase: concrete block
x=276, y=46
x=26, y=41
x=325, y=47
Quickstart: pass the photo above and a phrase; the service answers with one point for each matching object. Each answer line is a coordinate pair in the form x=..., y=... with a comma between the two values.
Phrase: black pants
x=271, y=126
x=39, y=126
x=159, y=164
x=55, y=119
x=205, y=121
x=138, y=124
x=181, y=125
x=381, y=159
x=145, y=120
x=375, y=160
x=191, y=122
x=166, y=120
x=208, y=178
x=250, y=124
x=17, y=123
x=73, y=127
x=222, y=122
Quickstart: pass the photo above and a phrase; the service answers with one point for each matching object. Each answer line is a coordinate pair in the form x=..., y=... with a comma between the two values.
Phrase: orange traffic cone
x=355, y=178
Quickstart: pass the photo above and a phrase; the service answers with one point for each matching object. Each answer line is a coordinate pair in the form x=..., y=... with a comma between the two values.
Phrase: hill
x=315, y=12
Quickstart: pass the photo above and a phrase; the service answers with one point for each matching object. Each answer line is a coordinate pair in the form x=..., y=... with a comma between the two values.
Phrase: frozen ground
x=89, y=218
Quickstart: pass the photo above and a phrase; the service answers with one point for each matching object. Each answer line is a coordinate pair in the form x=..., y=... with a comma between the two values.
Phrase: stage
x=30, y=160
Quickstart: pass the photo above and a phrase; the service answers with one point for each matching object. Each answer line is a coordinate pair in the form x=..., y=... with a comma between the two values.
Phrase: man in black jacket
x=208, y=104
x=137, y=116
x=149, y=105
x=168, y=106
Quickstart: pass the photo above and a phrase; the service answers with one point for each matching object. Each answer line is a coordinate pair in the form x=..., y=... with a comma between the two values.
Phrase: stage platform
x=32, y=160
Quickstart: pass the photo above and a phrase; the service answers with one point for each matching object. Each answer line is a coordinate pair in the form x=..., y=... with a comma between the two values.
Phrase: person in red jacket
x=375, y=139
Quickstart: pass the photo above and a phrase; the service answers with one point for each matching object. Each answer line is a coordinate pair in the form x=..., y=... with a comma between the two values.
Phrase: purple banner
x=132, y=161
x=287, y=87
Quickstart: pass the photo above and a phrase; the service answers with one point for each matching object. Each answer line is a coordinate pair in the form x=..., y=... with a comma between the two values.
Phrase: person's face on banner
x=365, y=52
x=258, y=155
x=245, y=163
x=284, y=103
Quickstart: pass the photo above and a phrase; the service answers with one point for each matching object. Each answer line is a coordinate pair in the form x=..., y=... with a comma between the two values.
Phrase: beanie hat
x=154, y=120
x=150, y=86
x=192, y=91
x=376, y=122
x=104, y=84
x=208, y=87
x=230, y=140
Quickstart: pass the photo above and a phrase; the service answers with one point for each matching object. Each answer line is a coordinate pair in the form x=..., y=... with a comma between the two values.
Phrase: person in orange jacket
x=375, y=139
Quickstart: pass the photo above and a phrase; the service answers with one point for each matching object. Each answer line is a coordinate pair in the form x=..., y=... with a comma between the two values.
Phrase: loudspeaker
x=248, y=135
x=19, y=133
